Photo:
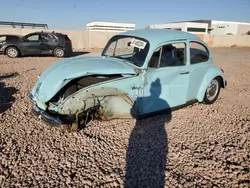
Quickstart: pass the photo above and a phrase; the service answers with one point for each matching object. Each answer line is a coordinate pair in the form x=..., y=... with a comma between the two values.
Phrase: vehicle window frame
x=48, y=34
x=161, y=47
x=197, y=42
x=59, y=36
x=120, y=36
x=27, y=36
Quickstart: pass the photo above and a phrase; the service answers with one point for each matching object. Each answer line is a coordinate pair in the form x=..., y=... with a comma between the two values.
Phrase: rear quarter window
x=62, y=36
x=198, y=53
x=47, y=37
x=12, y=38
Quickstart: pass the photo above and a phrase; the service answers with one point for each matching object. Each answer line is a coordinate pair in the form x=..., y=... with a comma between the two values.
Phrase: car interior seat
x=169, y=56
x=140, y=55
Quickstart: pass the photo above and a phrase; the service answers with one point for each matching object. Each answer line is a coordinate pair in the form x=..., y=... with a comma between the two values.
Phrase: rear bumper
x=68, y=50
x=42, y=114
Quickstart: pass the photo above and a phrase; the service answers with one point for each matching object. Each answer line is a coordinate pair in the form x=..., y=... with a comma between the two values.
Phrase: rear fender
x=211, y=74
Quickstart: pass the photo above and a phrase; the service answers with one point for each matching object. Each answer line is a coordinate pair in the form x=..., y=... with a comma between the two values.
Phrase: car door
x=199, y=59
x=167, y=78
x=48, y=43
x=31, y=45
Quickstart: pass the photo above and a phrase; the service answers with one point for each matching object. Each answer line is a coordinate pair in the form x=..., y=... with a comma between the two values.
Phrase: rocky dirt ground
x=199, y=146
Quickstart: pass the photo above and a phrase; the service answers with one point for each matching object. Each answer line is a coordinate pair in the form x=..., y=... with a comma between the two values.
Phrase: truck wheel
x=212, y=91
x=12, y=52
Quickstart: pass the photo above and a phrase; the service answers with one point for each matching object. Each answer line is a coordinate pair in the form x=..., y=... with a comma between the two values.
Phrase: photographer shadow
x=6, y=93
x=146, y=157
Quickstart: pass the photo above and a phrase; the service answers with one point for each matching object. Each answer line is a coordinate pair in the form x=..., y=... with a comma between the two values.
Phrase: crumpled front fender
x=114, y=103
x=60, y=73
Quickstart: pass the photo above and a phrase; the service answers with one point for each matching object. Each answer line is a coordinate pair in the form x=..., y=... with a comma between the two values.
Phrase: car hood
x=60, y=73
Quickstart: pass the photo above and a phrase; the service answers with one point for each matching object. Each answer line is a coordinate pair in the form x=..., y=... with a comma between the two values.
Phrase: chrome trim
x=31, y=97
x=46, y=117
x=38, y=87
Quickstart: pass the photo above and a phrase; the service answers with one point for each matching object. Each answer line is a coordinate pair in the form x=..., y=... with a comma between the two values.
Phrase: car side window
x=169, y=55
x=154, y=61
x=198, y=53
x=47, y=37
x=34, y=37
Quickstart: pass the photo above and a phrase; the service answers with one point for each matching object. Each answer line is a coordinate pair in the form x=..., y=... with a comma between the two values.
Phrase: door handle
x=184, y=72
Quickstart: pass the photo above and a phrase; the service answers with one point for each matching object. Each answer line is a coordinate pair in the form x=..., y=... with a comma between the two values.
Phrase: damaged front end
x=84, y=99
x=55, y=121
x=73, y=88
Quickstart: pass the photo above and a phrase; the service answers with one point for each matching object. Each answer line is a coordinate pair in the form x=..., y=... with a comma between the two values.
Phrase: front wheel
x=212, y=91
x=59, y=52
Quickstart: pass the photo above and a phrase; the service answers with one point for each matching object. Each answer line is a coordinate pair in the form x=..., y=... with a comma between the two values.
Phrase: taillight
x=68, y=41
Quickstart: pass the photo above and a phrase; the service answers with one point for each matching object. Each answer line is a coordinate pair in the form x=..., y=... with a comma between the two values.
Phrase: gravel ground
x=199, y=146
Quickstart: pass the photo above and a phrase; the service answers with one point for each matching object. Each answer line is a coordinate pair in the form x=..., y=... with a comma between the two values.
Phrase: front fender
x=115, y=103
x=210, y=74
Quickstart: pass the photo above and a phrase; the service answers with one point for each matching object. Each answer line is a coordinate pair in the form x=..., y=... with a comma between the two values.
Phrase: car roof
x=156, y=36
x=47, y=32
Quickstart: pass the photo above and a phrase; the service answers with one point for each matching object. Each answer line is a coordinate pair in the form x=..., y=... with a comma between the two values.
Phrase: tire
x=59, y=52
x=212, y=94
x=12, y=52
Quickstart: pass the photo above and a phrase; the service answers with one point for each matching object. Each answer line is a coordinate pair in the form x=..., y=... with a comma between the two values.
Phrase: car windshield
x=132, y=49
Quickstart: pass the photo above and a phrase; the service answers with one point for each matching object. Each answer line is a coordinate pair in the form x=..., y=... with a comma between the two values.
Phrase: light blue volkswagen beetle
x=139, y=72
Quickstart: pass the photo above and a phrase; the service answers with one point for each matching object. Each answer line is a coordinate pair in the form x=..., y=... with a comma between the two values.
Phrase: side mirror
x=24, y=39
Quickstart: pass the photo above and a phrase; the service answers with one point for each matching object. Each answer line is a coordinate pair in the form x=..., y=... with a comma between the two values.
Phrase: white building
x=191, y=27
x=208, y=26
x=229, y=28
x=110, y=26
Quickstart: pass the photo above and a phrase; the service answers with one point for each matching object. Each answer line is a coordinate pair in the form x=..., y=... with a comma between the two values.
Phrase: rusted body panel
x=113, y=103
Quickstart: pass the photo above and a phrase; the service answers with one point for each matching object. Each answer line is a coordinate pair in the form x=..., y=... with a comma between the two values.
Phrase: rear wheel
x=59, y=52
x=12, y=52
x=212, y=91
